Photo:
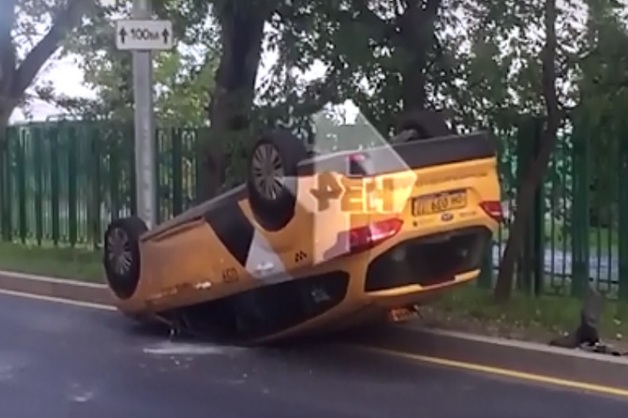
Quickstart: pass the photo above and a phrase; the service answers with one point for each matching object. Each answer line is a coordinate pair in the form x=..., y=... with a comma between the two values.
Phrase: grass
x=69, y=263
x=467, y=308
x=529, y=318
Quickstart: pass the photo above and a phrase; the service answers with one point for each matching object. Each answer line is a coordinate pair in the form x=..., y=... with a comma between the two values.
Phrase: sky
x=67, y=77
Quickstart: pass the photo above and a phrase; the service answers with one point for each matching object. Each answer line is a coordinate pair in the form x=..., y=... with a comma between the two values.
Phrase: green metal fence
x=61, y=183
x=577, y=234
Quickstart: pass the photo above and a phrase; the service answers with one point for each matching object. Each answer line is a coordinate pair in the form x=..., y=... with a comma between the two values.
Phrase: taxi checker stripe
x=246, y=244
x=263, y=263
x=232, y=227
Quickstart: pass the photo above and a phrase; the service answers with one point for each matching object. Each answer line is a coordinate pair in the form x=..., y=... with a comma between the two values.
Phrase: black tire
x=123, y=235
x=286, y=150
x=427, y=124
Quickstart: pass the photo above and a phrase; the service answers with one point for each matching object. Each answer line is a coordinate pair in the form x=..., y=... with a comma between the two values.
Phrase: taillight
x=357, y=157
x=355, y=162
x=493, y=208
x=364, y=238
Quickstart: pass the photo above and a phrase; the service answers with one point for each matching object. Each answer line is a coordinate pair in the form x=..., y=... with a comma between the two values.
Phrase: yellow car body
x=332, y=265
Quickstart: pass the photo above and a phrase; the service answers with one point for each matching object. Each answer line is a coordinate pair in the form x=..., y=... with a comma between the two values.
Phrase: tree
x=237, y=109
x=233, y=31
x=183, y=77
x=19, y=20
x=535, y=172
x=602, y=95
x=581, y=81
x=381, y=54
x=241, y=35
x=234, y=112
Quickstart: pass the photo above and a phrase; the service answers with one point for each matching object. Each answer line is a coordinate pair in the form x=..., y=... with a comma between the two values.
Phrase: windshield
x=334, y=132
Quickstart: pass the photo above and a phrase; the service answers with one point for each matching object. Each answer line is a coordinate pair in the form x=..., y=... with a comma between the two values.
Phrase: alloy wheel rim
x=119, y=251
x=268, y=172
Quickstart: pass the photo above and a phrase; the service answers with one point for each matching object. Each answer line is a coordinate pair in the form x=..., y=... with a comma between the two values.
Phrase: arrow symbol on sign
x=122, y=34
x=165, y=35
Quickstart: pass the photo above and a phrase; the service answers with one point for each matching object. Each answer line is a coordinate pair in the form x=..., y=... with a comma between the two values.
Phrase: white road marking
x=59, y=300
x=40, y=278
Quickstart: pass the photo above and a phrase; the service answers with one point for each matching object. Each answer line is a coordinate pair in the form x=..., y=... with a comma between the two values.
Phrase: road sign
x=143, y=35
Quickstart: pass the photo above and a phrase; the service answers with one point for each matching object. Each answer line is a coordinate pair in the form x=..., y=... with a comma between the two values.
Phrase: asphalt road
x=63, y=361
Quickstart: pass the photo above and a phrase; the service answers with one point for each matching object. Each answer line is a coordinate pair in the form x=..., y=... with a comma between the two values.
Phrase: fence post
x=485, y=280
x=525, y=153
x=580, y=210
x=117, y=145
x=21, y=182
x=623, y=223
x=537, y=230
x=200, y=170
x=55, y=184
x=177, y=171
x=163, y=177
x=95, y=160
x=38, y=143
x=72, y=183
x=128, y=137
x=4, y=167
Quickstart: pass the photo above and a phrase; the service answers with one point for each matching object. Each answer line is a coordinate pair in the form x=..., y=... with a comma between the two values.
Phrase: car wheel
x=121, y=257
x=272, y=178
x=425, y=124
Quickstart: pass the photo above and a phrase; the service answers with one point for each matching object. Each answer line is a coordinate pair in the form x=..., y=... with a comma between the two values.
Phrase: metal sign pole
x=144, y=125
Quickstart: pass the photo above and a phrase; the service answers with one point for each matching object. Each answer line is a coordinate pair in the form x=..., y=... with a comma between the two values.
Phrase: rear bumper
x=428, y=261
x=376, y=278
x=415, y=294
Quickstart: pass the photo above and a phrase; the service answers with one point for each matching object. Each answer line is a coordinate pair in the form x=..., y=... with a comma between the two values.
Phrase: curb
x=517, y=356
x=520, y=357
x=55, y=288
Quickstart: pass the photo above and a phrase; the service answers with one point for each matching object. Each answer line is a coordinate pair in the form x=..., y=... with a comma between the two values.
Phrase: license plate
x=437, y=203
x=402, y=314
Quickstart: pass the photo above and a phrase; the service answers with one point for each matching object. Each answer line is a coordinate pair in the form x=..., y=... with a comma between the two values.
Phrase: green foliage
x=183, y=77
x=358, y=43
x=31, y=32
x=603, y=97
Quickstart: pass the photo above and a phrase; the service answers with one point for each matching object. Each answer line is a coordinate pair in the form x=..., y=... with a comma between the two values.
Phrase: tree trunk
x=535, y=172
x=5, y=115
x=417, y=26
x=242, y=31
